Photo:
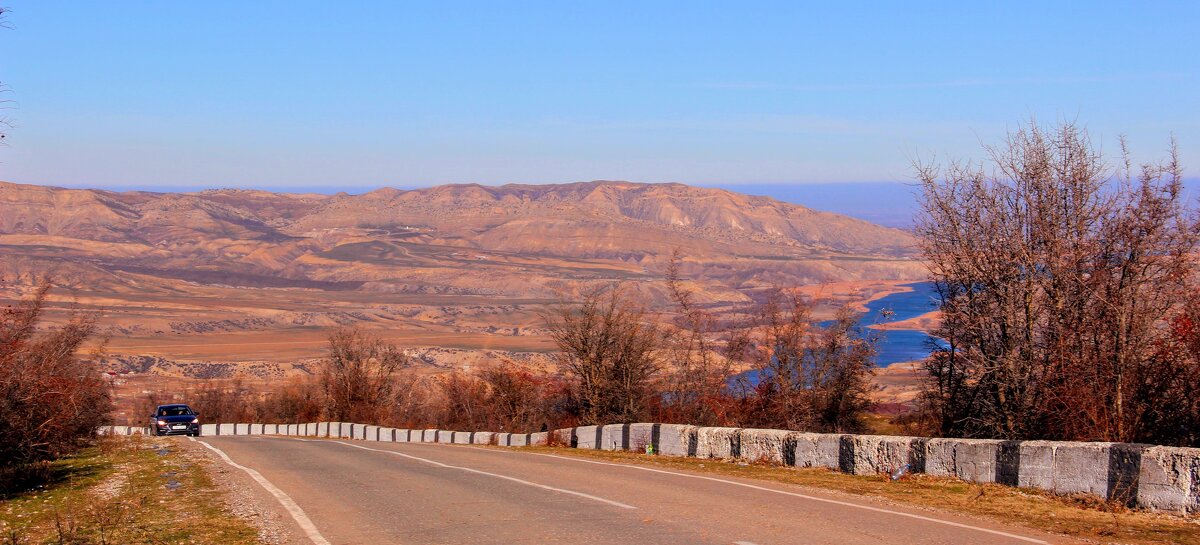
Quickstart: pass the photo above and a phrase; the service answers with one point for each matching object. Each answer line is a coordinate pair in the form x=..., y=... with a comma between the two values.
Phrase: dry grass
x=127, y=490
x=1077, y=517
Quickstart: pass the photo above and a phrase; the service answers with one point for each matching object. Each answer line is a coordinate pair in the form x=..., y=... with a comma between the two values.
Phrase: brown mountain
x=512, y=240
x=251, y=276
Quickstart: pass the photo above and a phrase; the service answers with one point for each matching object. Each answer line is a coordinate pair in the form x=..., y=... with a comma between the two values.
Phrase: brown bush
x=1059, y=277
x=606, y=346
x=51, y=401
x=359, y=376
x=810, y=378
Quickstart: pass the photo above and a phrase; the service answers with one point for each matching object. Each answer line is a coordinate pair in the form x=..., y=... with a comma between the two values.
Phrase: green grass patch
x=125, y=490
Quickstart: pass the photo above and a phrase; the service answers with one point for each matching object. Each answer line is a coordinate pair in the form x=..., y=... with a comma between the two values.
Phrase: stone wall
x=1147, y=476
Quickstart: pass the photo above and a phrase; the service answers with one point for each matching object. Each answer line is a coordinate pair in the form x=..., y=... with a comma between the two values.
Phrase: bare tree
x=1055, y=273
x=358, y=376
x=4, y=103
x=607, y=347
x=810, y=377
x=697, y=370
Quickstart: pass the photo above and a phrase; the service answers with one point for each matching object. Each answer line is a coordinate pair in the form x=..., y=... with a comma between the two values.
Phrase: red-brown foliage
x=51, y=401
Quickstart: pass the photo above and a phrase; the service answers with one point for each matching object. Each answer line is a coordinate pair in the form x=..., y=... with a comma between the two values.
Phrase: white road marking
x=286, y=501
x=784, y=492
x=496, y=475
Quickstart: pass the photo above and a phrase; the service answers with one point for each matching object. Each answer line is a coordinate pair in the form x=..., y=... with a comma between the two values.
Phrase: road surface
x=359, y=492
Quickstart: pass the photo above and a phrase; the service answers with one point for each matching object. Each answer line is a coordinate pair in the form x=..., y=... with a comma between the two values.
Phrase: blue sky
x=329, y=95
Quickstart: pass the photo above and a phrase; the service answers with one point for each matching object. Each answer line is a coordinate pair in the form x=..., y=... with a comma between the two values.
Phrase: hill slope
x=514, y=240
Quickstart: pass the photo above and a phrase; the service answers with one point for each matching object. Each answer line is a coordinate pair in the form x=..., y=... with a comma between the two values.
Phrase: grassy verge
x=1078, y=517
x=125, y=490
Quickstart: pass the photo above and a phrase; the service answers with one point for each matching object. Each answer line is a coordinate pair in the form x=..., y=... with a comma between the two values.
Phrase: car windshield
x=174, y=411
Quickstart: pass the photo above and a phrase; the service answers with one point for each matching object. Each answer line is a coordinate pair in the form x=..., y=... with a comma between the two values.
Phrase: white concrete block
x=1169, y=480
x=588, y=437
x=208, y=429
x=518, y=439
x=614, y=437
x=818, y=450
x=225, y=429
x=539, y=439
x=444, y=436
x=717, y=442
x=776, y=447
x=429, y=436
x=676, y=440
x=641, y=436
x=462, y=437
x=483, y=438
x=371, y=433
x=973, y=460
x=875, y=454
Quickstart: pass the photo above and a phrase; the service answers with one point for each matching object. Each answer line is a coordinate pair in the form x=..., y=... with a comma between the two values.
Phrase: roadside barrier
x=1152, y=477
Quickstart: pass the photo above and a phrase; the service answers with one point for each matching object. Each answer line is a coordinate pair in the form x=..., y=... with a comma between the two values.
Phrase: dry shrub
x=606, y=346
x=50, y=400
x=1061, y=282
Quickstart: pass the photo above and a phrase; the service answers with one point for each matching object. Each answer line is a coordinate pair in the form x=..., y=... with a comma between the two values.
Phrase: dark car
x=178, y=419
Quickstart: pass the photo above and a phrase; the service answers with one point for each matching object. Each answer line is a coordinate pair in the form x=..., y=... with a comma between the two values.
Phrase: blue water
x=902, y=345
x=893, y=346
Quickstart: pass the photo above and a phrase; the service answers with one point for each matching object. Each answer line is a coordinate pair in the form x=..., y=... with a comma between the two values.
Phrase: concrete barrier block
x=345, y=430
x=241, y=429
x=504, y=439
x=1036, y=462
x=818, y=450
x=387, y=435
x=588, y=437
x=429, y=436
x=767, y=446
x=271, y=429
x=462, y=437
x=874, y=454
x=358, y=431
x=322, y=429
x=975, y=460
x=444, y=436
x=563, y=437
x=717, y=442
x=642, y=436
x=401, y=436
x=1169, y=479
x=255, y=429
x=539, y=439
x=293, y=429
x=518, y=440
x=310, y=429
x=225, y=429
x=1081, y=468
x=614, y=437
x=208, y=429
x=676, y=440
x=483, y=438
x=371, y=433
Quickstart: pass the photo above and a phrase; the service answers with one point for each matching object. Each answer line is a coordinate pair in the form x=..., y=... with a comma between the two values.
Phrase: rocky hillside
x=512, y=240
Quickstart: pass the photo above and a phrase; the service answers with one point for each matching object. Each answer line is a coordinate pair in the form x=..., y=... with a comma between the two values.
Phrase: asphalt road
x=357, y=492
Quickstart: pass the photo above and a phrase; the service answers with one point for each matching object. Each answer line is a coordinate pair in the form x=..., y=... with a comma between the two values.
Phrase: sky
x=351, y=95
